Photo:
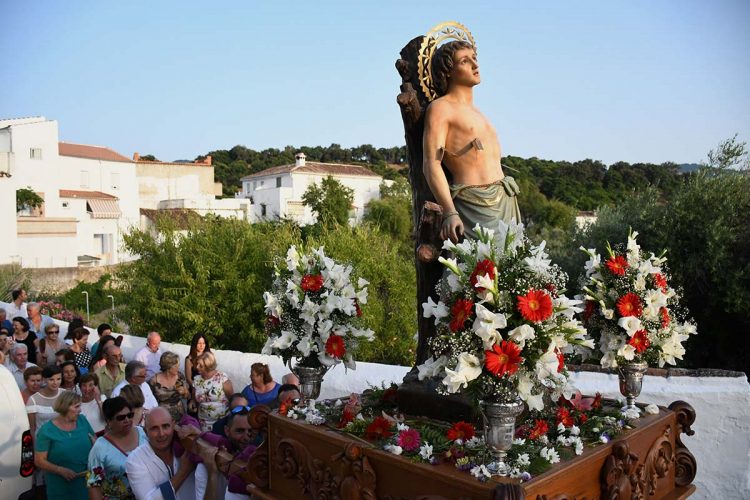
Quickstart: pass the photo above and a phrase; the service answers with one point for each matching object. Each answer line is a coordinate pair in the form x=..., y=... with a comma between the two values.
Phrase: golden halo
x=450, y=30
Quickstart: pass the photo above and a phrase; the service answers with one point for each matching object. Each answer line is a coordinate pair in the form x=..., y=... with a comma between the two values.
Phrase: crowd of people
x=109, y=428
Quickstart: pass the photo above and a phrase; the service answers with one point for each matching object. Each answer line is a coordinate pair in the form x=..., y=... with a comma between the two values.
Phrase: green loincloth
x=486, y=205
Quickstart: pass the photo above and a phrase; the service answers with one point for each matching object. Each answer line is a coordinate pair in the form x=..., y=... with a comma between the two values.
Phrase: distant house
x=277, y=192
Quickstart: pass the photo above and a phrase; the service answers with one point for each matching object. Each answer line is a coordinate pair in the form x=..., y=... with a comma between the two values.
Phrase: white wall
x=721, y=444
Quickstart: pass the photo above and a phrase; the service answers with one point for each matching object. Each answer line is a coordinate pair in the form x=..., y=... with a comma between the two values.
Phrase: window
x=255, y=184
x=66, y=204
x=35, y=153
x=84, y=178
x=115, y=180
x=278, y=182
x=262, y=209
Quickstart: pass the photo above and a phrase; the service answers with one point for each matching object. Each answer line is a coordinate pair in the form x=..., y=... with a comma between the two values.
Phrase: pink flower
x=409, y=439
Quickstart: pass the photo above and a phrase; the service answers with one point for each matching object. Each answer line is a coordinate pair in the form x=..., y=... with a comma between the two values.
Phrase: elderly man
x=38, y=321
x=4, y=321
x=19, y=355
x=154, y=470
x=135, y=374
x=18, y=306
x=113, y=372
x=239, y=441
x=150, y=354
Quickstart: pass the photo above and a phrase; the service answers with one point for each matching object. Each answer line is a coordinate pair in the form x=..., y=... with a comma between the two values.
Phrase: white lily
x=521, y=334
x=468, y=366
x=630, y=324
x=431, y=367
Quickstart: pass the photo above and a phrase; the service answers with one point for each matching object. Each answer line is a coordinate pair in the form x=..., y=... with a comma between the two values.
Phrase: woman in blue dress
x=262, y=388
x=62, y=449
x=106, y=477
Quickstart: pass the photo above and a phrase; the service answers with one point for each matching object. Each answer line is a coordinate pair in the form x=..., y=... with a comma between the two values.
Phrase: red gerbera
x=503, y=358
x=409, y=439
x=665, y=319
x=380, y=428
x=335, y=346
x=536, y=305
x=564, y=417
x=312, y=282
x=483, y=267
x=640, y=341
x=540, y=429
x=460, y=314
x=582, y=417
x=589, y=311
x=617, y=265
x=660, y=281
x=629, y=305
x=460, y=430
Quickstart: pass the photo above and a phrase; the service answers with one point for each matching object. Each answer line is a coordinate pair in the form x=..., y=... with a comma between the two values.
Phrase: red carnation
x=564, y=417
x=483, y=267
x=460, y=430
x=460, y=314
x=536, y=305
x=380, y=428
x=560, y=361
x=335, y=346
x=640, y=341
x=665, y=319
x=629, y=305
x=660, y=281
x=589, y=311
x=540, y=429
x=503, y=358
x=617, y=265
x=312, y=282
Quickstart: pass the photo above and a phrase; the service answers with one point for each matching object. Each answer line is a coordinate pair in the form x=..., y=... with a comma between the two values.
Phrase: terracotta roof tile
x=91, y=152
x=86, y=195
x=312, y=167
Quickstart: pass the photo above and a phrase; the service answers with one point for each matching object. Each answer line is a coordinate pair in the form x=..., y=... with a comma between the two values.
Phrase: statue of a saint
x=459, y=137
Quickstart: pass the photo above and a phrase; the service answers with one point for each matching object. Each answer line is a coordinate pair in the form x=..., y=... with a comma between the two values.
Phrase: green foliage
x=27, y=199
x=331, y=201
x=148, y=158
x=729, y=154
x=212, y=279
x=75, y=300
x=12, y=277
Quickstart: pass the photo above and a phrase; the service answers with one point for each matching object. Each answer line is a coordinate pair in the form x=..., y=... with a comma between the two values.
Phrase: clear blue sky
x=627, y=80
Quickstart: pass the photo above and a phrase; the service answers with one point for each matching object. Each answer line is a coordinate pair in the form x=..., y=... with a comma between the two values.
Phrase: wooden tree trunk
x=427, y=214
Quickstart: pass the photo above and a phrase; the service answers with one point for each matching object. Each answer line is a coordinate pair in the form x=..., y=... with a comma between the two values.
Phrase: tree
x=148, y=158
x=330, y=201
x=27, y=199
x=728, y=154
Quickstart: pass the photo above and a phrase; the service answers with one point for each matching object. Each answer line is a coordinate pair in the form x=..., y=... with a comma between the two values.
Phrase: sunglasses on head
x=122, y=417
x=240, y=409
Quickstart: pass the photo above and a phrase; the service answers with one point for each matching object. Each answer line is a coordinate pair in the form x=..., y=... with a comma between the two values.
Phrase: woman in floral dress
x=170, y=386
x=211, y=389
x=106, y=476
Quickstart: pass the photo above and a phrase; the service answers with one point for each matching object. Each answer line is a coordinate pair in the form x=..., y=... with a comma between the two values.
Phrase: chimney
x=136, y=156
x=207, y=161
x=299, y=159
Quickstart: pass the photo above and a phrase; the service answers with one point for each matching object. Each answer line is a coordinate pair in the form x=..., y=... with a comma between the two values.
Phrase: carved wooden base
x=304, y=461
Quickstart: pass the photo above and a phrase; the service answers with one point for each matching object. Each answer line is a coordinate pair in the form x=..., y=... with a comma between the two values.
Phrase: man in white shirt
x=154, y=472
x=18, y=306
x=150, y=354
x=19, y=355
x=135, y=373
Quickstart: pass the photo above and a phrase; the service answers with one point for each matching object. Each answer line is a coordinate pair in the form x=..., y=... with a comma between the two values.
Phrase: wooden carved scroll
x=620, y=476
x=659, y=460
x=686, y=466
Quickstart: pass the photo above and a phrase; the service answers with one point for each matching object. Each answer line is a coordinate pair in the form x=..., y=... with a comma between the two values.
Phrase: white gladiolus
x=437, y=310
x=469, y=366
x=431, y=367
x=521, y=334
x=284, y=340
x=630, y=324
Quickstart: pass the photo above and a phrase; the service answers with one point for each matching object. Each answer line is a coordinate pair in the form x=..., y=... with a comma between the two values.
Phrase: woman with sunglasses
x=49, y=345
x=106, y=476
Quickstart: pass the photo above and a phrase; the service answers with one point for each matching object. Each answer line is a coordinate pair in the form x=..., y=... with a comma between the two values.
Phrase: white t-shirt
x=150, y=359
x=148, y=396
x=93, y=414
x=41, y=406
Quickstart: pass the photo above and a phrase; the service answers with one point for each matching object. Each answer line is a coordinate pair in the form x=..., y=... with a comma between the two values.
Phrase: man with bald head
x=150, y=354
x=113, y=372
x=154, y=469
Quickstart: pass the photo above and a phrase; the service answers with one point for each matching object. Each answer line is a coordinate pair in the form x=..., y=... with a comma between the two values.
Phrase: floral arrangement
x=503, y=322
x=632, y=309
x=56, y=310
x=314, y=311
x=543, y=439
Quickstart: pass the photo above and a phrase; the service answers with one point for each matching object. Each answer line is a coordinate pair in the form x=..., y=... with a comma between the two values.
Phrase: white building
x=90, y=198
x=277, y=192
